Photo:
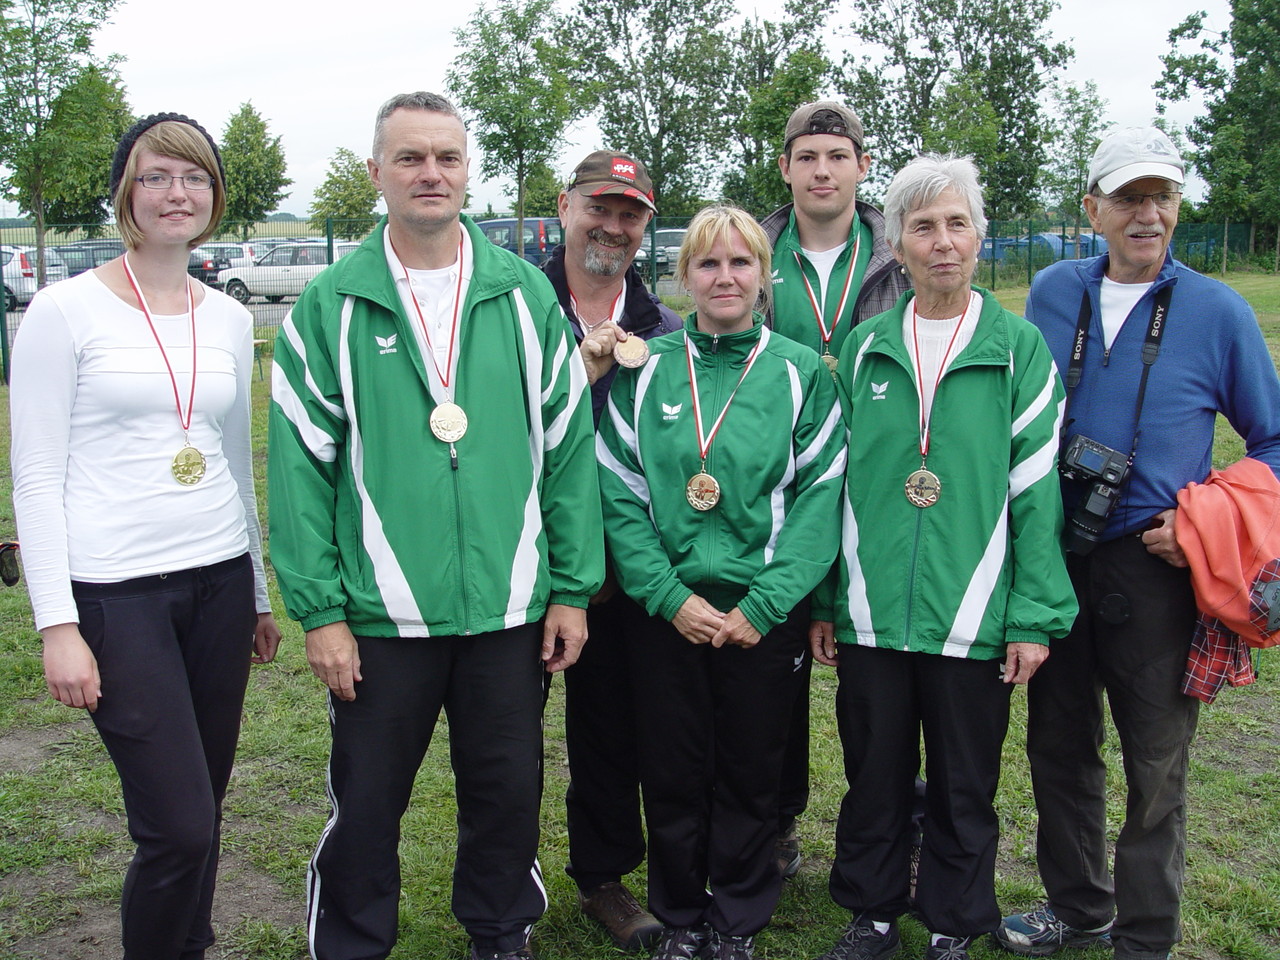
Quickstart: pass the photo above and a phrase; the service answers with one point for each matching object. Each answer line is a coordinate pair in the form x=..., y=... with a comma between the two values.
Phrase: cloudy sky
x=318, y=79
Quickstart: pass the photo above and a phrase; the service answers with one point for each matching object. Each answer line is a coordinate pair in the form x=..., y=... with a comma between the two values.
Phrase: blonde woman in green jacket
x=721, y=459
x=950, y=581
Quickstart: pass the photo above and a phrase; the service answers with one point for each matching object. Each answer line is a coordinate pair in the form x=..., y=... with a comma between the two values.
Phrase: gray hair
x=918, y=184
x=421, y=100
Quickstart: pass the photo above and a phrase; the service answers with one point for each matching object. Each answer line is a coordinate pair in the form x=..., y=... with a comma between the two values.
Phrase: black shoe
x=949, y=948
x=683, y=943
x=724, y=947
x=861, y=941
x=524, y=953
x=786, y=851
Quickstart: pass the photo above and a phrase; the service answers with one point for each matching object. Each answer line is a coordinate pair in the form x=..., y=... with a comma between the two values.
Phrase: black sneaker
x=1039, y=932
x=683, y=943
x=725, y=947
x=949, y=948
x=861, y=941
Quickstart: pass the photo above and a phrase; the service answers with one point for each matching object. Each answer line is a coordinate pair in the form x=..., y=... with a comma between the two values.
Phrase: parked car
x=541, y=236
x=86, y=254
x=281, y=272
x=235, y=254
x=19, y=268
x=206, y=266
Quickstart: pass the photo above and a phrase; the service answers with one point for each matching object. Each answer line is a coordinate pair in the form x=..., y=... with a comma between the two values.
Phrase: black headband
x=130, y=140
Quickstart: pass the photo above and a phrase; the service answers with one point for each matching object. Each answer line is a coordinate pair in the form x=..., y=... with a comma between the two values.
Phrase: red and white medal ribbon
x=827, y=334
x=705, y=440
x=926, y=414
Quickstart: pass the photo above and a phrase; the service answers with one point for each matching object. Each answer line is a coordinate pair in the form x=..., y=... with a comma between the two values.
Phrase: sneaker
x=786, y=851
x=948, y=948
x=1039, y=933
x=725, y=947
x=683, y=943
x=860, y=941
x=524, y=953
x=631, y=926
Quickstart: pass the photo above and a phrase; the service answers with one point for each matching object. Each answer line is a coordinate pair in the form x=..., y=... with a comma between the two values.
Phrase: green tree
x=1079, y=121
x=80, y=193
x=255, y=165
x=1233, y=141
x=347, y=196
x=514, y=74
x=999, y=51
x=662, y=66
x=963, y=122
x=775, y=66
x=541, y=191
x=45, y=47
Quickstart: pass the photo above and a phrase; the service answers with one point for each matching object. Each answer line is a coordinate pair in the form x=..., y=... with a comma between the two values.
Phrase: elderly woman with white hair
x=950, y=581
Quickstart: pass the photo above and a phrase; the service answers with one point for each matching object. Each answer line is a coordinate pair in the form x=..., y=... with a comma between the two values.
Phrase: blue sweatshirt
x=1212, y=360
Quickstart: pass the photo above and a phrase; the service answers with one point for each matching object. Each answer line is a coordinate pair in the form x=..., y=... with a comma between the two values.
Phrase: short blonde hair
x=712, y=225
x=182, y=142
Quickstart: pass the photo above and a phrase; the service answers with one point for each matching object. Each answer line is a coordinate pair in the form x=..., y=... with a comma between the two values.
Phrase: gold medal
x=188, y=466
x=702, y=491
x=631, y=352
x=830, y=360
x=923, y=487
x=448, y=422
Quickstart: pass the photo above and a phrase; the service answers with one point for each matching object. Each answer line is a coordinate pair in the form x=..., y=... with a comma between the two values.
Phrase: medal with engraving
x=923, y=486
x=703, y=490
x=631, y=352
x=825, y=332
x=448, y=421
x=188, y=464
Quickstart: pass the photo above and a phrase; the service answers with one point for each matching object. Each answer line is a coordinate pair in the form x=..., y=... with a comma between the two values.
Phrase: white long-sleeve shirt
x=95, y=430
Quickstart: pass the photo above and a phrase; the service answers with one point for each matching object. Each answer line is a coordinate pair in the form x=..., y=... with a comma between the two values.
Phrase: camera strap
x=1150, y=350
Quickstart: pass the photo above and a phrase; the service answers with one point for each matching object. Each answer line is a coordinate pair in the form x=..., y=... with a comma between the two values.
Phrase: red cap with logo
x=607, y=172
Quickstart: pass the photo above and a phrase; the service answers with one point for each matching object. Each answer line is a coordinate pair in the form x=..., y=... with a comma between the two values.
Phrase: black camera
x=1105, y=471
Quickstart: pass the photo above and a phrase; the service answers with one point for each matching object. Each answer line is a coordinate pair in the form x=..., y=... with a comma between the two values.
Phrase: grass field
x=63, y=847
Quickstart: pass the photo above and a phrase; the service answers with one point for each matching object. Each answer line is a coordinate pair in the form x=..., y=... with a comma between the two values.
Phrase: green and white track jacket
x=778, y=457
x=372, y=520
x=982, y=567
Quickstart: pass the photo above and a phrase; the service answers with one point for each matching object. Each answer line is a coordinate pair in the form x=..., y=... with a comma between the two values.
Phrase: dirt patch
x=23, y=749
x=86, y=929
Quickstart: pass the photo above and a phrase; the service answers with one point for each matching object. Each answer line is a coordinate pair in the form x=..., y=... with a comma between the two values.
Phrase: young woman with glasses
x=133, y=488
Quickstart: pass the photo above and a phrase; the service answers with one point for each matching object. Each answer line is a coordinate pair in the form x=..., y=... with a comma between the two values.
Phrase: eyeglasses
x=1130, y=202
x=192, y=181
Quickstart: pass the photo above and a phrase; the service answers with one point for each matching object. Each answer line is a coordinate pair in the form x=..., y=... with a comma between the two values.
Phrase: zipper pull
x=453, y=456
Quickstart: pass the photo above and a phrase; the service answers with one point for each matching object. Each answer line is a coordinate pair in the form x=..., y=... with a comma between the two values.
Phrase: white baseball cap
x=1131, y=154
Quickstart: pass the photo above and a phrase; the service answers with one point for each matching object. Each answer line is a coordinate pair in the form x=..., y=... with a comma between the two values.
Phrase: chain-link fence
x=245, y=257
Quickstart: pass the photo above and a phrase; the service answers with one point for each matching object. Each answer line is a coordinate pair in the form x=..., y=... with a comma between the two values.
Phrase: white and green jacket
x=778, y=456
x=372, y=521
x=982, y=567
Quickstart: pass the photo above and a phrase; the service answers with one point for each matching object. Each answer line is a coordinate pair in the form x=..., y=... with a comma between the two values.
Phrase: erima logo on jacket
x=388, y=344
x=878, y=390
x=670, y=412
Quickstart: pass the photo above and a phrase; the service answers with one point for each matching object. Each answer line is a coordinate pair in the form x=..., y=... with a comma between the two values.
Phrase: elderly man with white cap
x=1150, y=352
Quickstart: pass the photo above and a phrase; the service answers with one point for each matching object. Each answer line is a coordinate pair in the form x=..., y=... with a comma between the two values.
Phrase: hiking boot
x=631, y=926
x=786, y=851
x=725, y=947
x=860, y=941
x=1039, y=933
x=683, y=943
x=948, y=948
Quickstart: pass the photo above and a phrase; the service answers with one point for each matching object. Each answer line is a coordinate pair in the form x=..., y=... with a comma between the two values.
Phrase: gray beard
x=605, y=263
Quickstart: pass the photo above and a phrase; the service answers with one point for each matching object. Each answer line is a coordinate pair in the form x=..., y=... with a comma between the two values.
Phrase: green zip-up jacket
x=779, y=458
x=982, y=567
x=372, y=520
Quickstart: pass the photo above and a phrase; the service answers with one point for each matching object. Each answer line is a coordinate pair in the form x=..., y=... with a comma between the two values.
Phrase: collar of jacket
x=990, y=345
x=725, y=347
x=1092, y=270
x=365, y=273
x=639, y=314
